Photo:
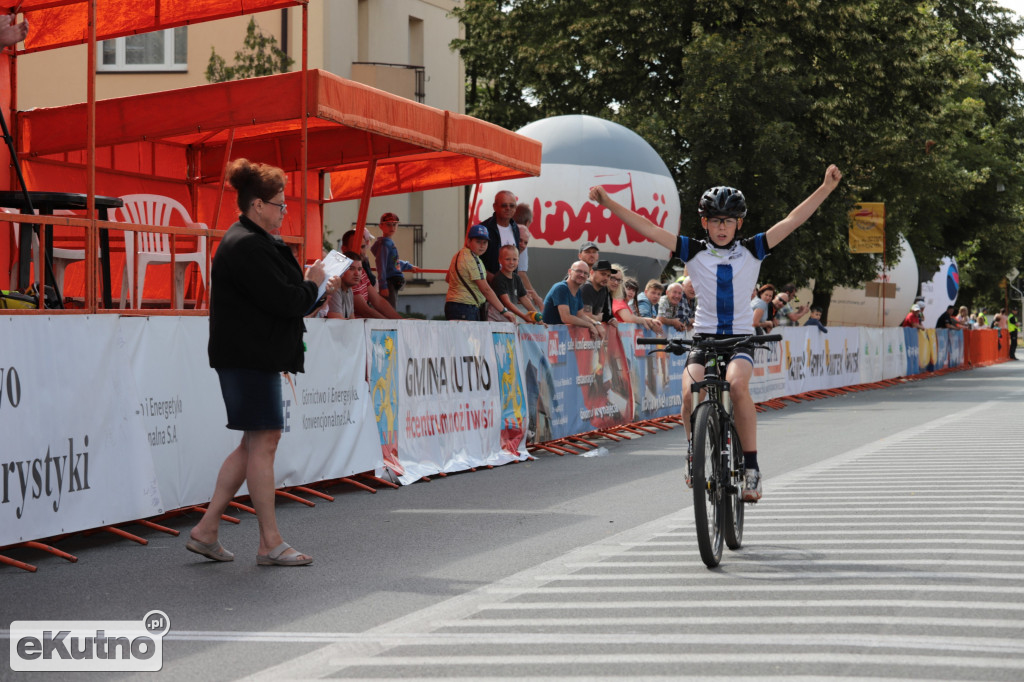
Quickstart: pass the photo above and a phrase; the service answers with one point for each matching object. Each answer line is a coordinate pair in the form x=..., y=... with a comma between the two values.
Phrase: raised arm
x=634, y=221
x=799, y=215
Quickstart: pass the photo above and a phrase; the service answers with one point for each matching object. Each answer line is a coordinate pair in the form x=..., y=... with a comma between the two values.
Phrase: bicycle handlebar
x=708, y=342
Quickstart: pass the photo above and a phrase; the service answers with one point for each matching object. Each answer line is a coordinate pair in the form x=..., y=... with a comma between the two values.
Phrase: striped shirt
x=723, y=280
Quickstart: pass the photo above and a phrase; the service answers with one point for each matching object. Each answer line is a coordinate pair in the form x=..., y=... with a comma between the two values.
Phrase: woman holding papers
x=258, y=297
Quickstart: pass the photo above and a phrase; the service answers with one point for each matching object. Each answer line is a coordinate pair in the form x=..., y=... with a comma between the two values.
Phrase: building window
x=158, y=51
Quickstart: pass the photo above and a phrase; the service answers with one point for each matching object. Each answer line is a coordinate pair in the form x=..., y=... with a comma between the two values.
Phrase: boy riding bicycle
x=724, y=271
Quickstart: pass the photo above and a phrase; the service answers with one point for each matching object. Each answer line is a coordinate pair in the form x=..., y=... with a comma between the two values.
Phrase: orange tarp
x=176, y=142
x=183, y=134
x=474, y=151
x=58, y=23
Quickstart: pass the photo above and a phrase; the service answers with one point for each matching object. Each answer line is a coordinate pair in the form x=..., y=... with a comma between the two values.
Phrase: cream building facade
x=401, y=46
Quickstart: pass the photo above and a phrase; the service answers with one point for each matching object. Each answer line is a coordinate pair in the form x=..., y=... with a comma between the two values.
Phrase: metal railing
x=421, y=76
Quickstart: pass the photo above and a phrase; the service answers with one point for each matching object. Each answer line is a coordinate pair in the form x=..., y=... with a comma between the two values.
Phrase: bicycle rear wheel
x=708, y=510
x=732, y=461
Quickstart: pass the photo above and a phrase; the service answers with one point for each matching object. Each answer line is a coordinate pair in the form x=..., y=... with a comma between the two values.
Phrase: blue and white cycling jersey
x=723, y=280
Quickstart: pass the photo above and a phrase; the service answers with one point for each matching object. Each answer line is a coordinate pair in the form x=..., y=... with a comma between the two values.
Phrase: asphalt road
x=890, y=544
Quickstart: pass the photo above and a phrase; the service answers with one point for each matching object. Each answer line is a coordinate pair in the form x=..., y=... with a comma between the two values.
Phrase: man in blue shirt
x=563, y=302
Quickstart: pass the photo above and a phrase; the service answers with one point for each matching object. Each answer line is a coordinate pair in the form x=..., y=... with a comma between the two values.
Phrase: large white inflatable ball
x=862, y=307
x=578, y=153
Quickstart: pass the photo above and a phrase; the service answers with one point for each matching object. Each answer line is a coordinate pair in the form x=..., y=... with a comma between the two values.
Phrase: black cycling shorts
x=743, y=351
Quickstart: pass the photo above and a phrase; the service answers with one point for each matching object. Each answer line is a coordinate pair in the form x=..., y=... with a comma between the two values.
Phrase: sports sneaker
x=752, y=488
x=689, y=464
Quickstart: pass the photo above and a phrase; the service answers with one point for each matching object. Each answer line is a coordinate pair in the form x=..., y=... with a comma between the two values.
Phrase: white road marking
x=890, y=494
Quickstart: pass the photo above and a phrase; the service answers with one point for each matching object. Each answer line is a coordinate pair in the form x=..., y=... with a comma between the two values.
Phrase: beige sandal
x=211, y=550
x=277, y=558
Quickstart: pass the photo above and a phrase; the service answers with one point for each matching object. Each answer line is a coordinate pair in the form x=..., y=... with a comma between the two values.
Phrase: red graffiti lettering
x=555, y=220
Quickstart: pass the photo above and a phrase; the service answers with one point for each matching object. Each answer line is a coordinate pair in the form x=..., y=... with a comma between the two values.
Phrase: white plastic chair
x=61, y=257
x=153, y=209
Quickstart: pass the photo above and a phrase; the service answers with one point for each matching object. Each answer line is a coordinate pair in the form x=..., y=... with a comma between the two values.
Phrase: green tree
x=260, y=56
x=919, y=104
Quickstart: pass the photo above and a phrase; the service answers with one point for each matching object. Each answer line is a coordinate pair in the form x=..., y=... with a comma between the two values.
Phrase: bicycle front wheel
x=732, y=462
x=708, y=509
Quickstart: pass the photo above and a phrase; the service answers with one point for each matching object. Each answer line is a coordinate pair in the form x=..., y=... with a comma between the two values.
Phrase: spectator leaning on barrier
x=368, y=303
x=620, y=308
x=647, y=302
x=389, y=266
x=501, y=230
x=510, y=290
x=913, y=318
x=763, y=310
x=688, y=304
x=964, y=318
x=815, y=319
x=668, y=306
x=630, y=288
x=597, y=303
x=786, y=316
x=468, y=290
x=947, y=320
x=982, y=320
x=563, y=302
x=523, y=217
x=341, y=303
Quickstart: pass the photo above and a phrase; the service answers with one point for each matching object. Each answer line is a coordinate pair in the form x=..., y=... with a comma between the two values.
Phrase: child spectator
x=815, y=319
x=389, y=266
x=369, y=304
x=510, y=289
x=468, y=290
x=647, y=302
x=341, y=302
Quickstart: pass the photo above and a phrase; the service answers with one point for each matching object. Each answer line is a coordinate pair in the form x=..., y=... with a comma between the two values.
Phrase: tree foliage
x=259, y=56
x=919, y=103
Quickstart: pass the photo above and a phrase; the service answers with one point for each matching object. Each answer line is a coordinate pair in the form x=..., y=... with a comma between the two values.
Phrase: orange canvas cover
x=416, y=147
x=474, y=151
x=176, y=143
x=58, y=23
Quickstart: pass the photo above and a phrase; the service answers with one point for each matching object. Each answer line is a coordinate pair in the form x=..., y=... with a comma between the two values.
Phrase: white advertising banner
x=435, y=387
x=872, y=355
x=329, y=428
x=894, y=358
x=180, y=404
x=816, y=361
x=769, y=378
x=75, y=454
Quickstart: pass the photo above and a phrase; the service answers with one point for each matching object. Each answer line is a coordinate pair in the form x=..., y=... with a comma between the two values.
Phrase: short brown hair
x=656, y=283
x=255, y=181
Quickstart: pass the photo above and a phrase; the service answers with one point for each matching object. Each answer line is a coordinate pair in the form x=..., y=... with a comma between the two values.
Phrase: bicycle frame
x=717, y=455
